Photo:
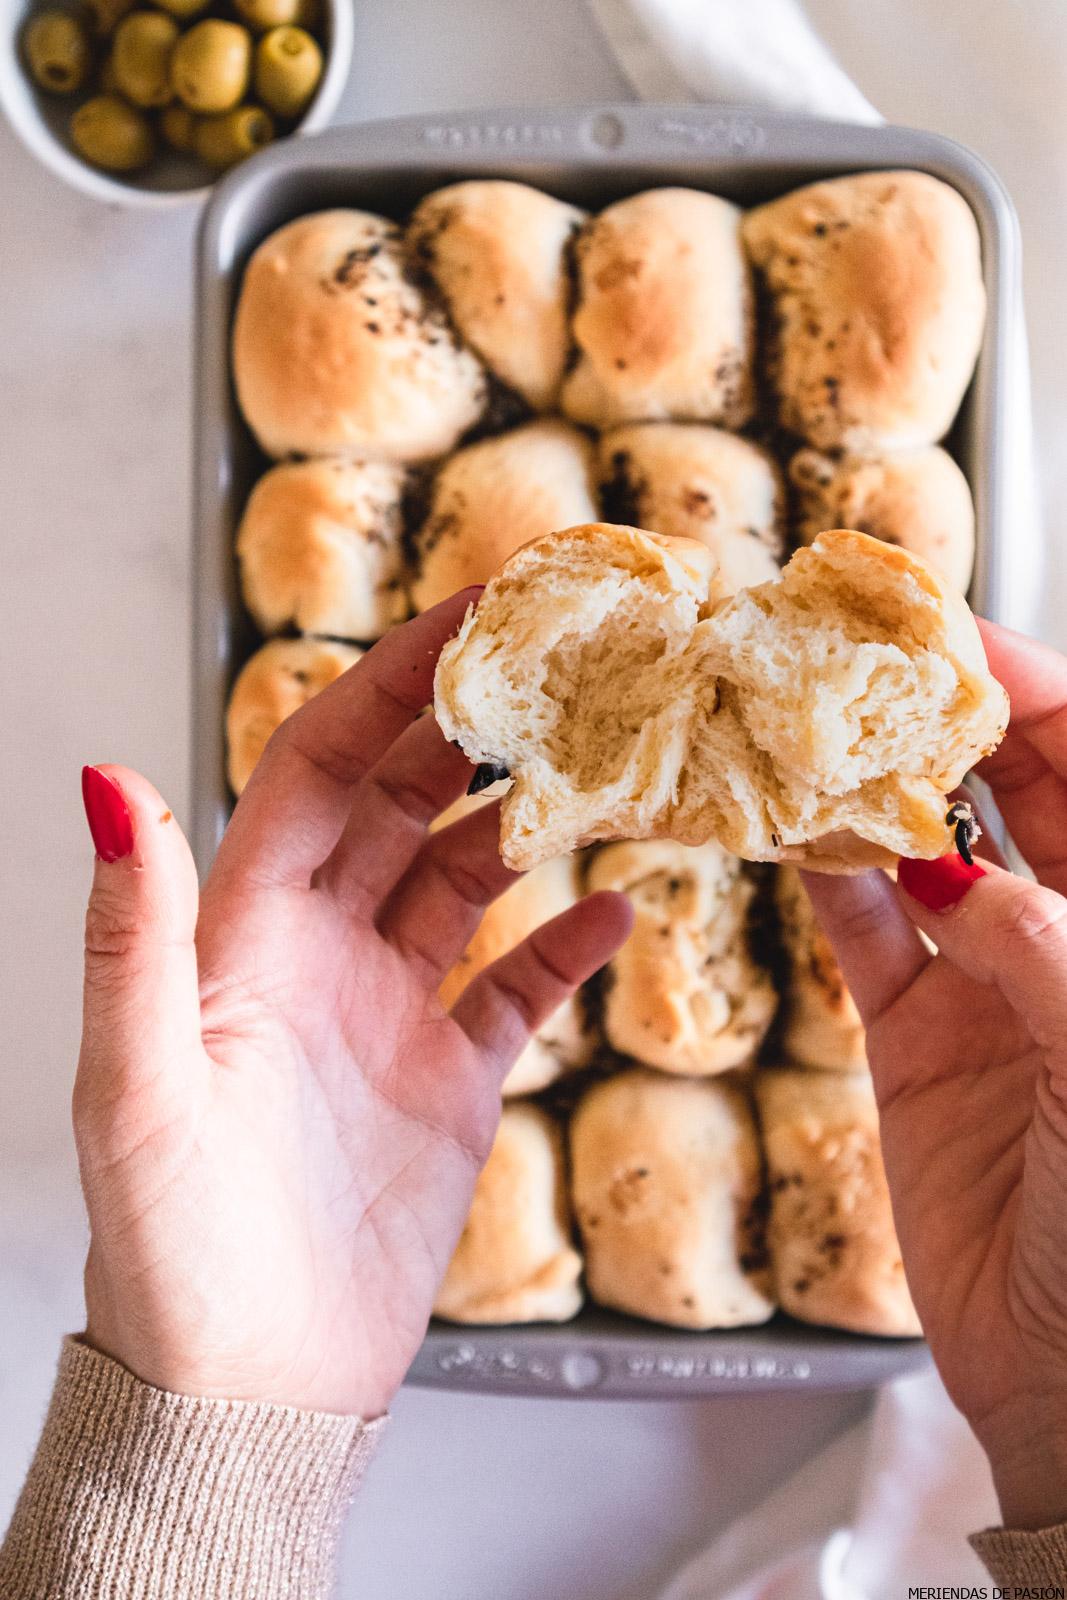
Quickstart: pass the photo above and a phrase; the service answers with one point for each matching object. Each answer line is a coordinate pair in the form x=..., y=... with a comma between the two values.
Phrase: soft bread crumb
x=820, y=717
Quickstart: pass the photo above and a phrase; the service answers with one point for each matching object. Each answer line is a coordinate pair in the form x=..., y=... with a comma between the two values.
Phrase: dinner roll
x=565, y=1039
x=664, y=321
x=876, y=295
x=695, y=482
x=820, y=718
x=281, y=677
x=336, y=351
x=667, y=1189
x=319, y=548
x=822, y=1027
x=497, y=252
x=515, y=1261
x=918, y=499
x=496, y=495
x=833, y=1246
x=684, y=993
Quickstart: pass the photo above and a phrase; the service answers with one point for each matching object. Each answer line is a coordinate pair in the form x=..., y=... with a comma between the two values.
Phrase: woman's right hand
x=968, y=1051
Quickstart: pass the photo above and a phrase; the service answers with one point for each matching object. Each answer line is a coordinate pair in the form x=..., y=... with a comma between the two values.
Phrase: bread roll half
x=684, y=993
x=515, y=1261
x=821, y=717
x=667, y=1187
x=834, y=1249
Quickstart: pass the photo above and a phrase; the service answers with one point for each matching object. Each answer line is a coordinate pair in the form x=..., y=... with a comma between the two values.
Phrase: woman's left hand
x=278, y=1126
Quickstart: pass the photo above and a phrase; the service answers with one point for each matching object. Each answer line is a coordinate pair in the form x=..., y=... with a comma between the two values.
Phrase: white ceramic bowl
x=41, y=120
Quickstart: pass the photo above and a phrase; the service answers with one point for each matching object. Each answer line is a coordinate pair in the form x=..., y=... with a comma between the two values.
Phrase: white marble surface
x=472, y=1499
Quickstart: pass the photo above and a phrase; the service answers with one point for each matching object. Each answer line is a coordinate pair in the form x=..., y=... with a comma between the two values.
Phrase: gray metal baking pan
x=591, y=155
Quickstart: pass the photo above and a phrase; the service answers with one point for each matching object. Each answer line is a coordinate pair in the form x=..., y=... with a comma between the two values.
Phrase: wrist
x=1028, y=1459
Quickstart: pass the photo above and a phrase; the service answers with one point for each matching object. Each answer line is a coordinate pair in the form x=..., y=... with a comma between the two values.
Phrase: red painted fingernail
x=941, y=884
x=108, y=815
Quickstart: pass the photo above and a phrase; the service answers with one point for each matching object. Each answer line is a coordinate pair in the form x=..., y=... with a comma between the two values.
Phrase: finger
x=141, y=1000
x=877, y=947
x=391, y=810
x=508, y=1001
x=1027, y=773
x=433, y=913
x=296, y=803
x=999, y=930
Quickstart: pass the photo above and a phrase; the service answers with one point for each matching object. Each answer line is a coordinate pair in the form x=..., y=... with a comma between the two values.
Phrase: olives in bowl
x=148, y=101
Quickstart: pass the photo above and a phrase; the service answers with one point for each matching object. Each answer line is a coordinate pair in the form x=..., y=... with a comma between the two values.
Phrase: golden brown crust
x=281, y=677
x=875, y=284
x=833, y=1245
x=496, y=495
x=497, y=251
x=319, y=549
x=918, y=499
x=696, y=482
x=666, y=1182
x=336, y=351
x=822, y=1027
x=683, y=994
x=515, y=1261
x=663, y=324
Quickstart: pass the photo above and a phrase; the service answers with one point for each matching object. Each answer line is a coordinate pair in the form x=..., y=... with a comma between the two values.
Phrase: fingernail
x=108, y=815
x=938, y=885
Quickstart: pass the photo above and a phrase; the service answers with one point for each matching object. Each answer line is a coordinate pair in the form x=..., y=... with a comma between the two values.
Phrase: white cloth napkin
x=888, y=1504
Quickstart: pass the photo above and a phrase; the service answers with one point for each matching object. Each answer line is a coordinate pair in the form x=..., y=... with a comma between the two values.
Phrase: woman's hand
x=278, y=1126
x=968, y=1050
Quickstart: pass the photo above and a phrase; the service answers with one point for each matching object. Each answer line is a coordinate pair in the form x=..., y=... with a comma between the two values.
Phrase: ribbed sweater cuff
x=138, y=1494
x=1019, y=1560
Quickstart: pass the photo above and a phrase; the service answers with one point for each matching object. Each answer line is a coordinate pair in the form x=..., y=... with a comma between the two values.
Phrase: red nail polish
x=108, y=815
x=938, y=885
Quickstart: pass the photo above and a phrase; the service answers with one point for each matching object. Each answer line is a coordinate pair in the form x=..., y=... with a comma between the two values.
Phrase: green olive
x=223, y=141
x=111, y=134
x=144, y=44
x=262, y=15
x=210, y=65
x=57, y=50
x=107, y=14
x=178, y=127
x=184, y=9
x=288, y=69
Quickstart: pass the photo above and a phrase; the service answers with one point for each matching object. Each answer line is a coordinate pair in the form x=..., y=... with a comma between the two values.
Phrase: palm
x=963, y=1141
x=968, y=1051
x=280, y=1197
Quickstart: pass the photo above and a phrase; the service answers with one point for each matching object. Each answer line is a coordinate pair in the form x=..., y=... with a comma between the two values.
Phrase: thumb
x=141, y=1002
x=998, y=929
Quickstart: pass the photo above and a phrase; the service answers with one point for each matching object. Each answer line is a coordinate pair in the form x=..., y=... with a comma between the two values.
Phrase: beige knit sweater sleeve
x=137, y=1494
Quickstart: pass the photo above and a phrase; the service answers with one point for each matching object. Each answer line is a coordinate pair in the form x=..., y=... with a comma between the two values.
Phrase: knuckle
x=112, y=933
x=414, y=803
x=462, y=880
x=1032, y=915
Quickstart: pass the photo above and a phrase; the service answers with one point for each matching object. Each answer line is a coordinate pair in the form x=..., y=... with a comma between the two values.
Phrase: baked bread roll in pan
x=281, y=677
x=666, y=1181
x=515, y=1261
